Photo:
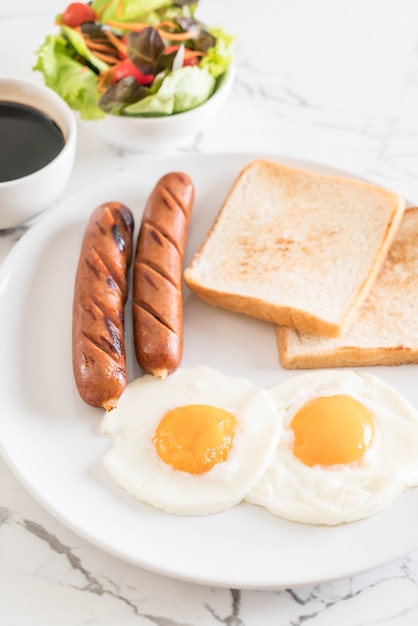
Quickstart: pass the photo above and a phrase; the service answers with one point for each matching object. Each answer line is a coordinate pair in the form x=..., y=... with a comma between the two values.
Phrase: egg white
x=342, y=493
x=134, y=464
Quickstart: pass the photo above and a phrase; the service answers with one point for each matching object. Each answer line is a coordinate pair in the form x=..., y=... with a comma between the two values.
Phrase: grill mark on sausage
x=92, y=267
x=127, y=219
x=146, y=307
x=157, y=260
x=111, y=283
x=97, y=310
x=115, y=343
x=110, y=346
x=121, y=228
x=90, y=312
x=158, y=269
x=155, y=233
x=150, y=281
x=164, y=233
x=100, y=227
x=118, y=238
x=175, y=198
x=115, y=279
x=148, y=278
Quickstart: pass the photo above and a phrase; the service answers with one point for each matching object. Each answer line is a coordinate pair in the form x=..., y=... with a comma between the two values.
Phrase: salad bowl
x=151, y=134
x=144, y=74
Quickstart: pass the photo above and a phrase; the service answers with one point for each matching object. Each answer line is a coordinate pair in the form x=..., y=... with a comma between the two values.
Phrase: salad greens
x=130, y=11
x=133, y=57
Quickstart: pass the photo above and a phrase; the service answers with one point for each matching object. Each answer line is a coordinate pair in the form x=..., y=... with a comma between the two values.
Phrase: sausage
x=100, y=293
x=157, y=275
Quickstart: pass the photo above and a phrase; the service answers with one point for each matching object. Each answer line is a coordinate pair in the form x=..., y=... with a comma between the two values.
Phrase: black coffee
x=29, y=140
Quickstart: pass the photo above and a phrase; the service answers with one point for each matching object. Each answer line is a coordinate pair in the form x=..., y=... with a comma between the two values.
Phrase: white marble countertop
x=335, y=82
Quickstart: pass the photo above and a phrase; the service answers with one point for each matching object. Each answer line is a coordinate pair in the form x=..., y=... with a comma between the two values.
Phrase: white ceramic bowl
x=150, y=134
x=23, y=198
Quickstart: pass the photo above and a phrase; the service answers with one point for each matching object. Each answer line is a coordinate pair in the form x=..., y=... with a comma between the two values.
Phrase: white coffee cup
x=27, y=196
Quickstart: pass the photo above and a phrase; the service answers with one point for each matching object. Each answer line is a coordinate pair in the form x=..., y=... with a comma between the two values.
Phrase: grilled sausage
x=100, y=292
x=157, y=282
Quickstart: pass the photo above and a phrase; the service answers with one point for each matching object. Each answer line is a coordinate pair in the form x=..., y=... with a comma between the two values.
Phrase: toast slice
x=385, y=329
x=294, y=247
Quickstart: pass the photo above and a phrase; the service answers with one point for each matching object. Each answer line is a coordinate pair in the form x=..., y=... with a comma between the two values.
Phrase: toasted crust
x=295, y=248
x=385, y=329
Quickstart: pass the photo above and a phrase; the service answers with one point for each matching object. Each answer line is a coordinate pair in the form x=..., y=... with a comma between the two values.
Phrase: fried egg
x=193, y=443
x=349, y=448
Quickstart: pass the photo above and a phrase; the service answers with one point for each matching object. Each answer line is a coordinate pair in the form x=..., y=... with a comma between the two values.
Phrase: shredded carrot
x=167, y=23
x=86, y=36
x=164, y=34
x=116, y=43
x=174, y=36
x=119, y=8
x=135, y=26
x=100, y=47
x=106, y=58
x=103, y=77
x=100, y=85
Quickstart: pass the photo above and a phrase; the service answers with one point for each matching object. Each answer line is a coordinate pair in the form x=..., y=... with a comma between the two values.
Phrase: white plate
x=51, y=439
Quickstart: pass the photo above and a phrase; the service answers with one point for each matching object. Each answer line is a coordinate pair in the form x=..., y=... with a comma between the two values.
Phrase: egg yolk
x=195, y=437
x=332, y=430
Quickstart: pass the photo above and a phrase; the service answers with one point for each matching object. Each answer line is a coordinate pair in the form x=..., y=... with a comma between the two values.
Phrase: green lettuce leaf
x=74, y=82
x=131, y=10
x=181, y=90
x=219, y=56
x=77, y=41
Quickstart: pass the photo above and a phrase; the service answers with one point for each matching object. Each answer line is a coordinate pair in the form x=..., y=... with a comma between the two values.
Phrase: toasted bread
x=295, y=247
x=384, y=330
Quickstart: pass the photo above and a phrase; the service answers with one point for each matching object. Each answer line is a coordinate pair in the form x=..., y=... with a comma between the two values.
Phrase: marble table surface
x=333, y=82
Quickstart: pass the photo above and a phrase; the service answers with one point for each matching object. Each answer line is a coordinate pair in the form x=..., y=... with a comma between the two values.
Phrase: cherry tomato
x=121, y=53
x=191, y=61
x=127, y=68
x=77, y=13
